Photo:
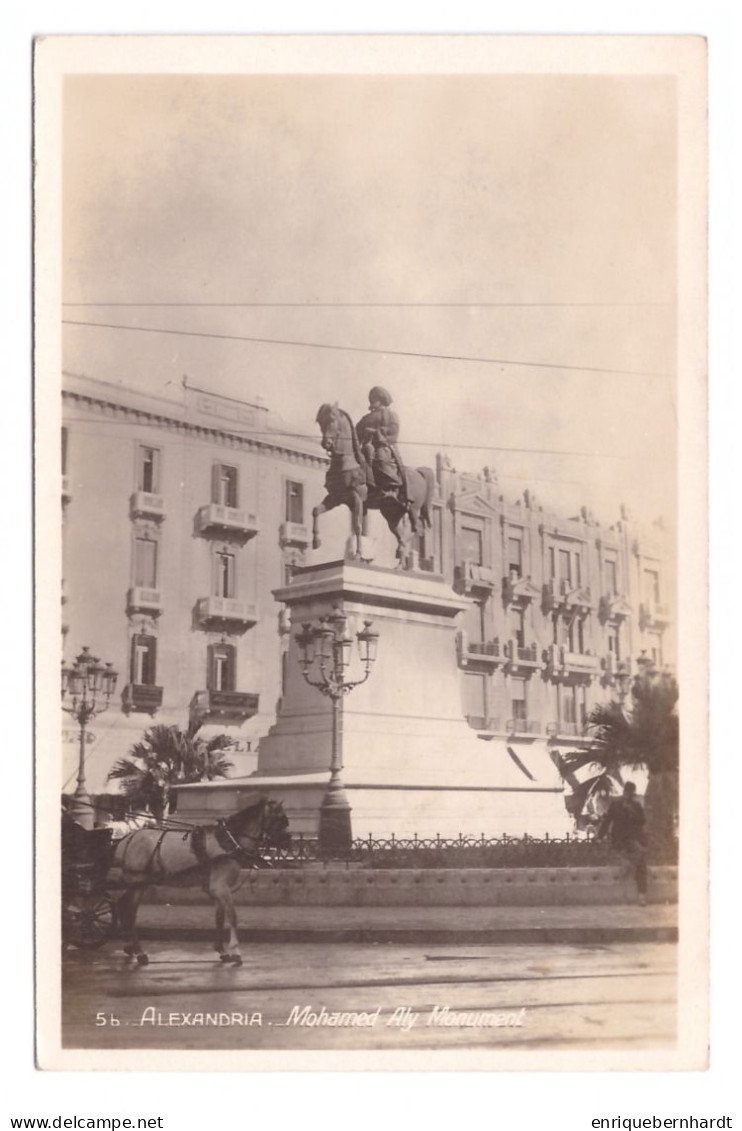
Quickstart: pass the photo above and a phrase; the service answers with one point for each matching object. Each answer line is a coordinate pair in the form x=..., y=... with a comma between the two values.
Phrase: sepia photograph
x=370, y=542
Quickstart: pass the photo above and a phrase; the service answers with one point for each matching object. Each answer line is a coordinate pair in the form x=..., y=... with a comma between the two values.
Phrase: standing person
x=624, y=825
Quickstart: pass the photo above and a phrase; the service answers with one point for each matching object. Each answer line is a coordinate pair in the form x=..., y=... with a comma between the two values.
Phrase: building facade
x=180, y=518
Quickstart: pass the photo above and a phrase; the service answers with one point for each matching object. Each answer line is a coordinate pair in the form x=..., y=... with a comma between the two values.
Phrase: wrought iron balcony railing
x=142, y=697
x=235, y=705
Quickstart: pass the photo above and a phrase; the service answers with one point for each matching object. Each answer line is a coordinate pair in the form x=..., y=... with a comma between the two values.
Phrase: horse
x=207, y=856
x=350, y=482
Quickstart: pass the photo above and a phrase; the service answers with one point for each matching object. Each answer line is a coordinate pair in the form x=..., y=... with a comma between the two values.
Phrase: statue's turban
x=379, y=394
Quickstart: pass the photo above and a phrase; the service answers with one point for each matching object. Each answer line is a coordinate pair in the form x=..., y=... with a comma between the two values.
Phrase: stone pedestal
x=411, y=763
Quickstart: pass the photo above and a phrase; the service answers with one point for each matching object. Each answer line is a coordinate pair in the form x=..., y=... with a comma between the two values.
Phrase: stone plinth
x=411, y=762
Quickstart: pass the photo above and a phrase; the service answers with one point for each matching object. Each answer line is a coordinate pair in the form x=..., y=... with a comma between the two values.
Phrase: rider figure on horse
x=377, y=432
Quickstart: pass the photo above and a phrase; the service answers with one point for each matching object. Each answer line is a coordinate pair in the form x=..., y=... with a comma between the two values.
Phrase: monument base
x=411, y=764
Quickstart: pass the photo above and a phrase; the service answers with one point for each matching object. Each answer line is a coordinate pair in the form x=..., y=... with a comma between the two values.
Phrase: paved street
x=416, y=996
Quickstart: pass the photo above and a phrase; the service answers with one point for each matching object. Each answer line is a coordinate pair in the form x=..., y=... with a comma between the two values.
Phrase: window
x=552, y=563
x=222, y=667
x=475, y=696
x=652, y=586
x=294, y=502
x=518, y=626
x=471, y=545
x=148, y=469
x=565, y=566
x=475, y=623
x=655, y=650
x=515, y=556
x=614, y=641
x=611, y=575
x=143, y=660
x=145, y=563
x=224, y=485
x=224, y=574
x=572, y=706
x=518, y=698
x=64, y=451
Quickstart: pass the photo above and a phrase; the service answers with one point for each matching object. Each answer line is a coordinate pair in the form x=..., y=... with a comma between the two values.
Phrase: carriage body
x=88, y=907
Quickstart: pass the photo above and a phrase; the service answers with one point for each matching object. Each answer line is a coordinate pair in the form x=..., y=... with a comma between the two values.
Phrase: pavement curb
x=466, y=936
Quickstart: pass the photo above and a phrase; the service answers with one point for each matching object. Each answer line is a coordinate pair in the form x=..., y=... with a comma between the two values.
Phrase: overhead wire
x=364, y=349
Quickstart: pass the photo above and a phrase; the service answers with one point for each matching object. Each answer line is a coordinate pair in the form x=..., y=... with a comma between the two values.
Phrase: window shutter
x=210, y=668
x=149, y=672
x=216, y=475
x=231, y=682
x=133, y=660
x=233, y=499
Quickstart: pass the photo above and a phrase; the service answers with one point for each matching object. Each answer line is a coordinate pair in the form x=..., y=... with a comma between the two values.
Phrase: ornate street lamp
x=87, y=687
x=326, y=648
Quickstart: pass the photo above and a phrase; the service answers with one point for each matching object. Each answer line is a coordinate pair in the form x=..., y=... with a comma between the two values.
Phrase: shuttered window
x=294, y=502
x=148, y=469
x=224, y=584
x=224, y=485
x=143, y=660
x=222, y=667
x=145, y=563
x=518, y=698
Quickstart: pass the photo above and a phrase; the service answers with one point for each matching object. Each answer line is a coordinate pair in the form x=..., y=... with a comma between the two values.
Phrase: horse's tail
x=429, y=478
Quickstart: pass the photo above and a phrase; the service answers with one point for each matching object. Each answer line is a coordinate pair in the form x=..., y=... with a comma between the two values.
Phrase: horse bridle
x=226, y=840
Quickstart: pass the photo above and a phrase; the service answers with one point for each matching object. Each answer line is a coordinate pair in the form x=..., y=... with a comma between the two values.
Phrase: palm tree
x=643, y=736
x=168, y=756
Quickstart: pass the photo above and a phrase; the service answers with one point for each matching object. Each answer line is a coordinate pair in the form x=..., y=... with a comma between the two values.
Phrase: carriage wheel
x=88, y=921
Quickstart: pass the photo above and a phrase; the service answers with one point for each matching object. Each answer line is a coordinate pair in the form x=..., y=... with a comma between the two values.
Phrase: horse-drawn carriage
x=103, y=880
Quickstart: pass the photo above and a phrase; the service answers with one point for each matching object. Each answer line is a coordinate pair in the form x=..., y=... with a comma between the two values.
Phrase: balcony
x=523, y=726
x=563, y=594
x=612, y=606
x=654, y=614
x=226, y=609
x=145, y=503
x=226, y=520
x=293, y=534
x=522, y=655
x=225, y=705
x=579, y=663
x=144, y=600
x=479, y=652
x=142, y=697
x=474, y=580
x=518, y=590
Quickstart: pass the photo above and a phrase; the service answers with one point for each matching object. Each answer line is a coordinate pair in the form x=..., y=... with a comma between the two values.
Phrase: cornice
x=222, y=436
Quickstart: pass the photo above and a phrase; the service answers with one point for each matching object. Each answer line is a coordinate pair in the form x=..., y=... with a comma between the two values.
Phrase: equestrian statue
x=366, y=473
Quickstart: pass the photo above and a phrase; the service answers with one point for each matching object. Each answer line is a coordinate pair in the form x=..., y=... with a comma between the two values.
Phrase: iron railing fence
x=457, y=852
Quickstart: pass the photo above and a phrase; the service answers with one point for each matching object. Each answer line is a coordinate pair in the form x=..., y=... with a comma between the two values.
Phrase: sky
x=498, y=251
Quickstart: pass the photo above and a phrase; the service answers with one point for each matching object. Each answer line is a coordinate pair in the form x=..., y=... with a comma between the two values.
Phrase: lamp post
x=325, y=648
x=87, y=687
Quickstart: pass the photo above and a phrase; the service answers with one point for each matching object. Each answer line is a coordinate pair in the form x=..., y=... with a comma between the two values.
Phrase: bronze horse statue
x=350, y=482
x=203, y=856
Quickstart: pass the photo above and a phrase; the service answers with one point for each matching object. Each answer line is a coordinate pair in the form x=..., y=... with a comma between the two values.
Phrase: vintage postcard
x=371, y=541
